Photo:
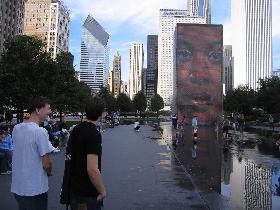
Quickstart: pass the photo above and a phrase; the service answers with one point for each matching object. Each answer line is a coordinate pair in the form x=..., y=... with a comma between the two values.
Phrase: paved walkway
x=140, y=172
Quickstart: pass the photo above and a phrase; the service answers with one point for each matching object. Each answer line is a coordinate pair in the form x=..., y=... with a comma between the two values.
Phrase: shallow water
x=246, y=177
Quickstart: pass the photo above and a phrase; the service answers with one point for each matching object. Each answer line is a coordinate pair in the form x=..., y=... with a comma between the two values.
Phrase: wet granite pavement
x=141, y=172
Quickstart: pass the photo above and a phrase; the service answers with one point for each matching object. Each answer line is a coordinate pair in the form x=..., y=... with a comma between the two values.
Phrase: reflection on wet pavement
x=249, y=178
x=201, y=157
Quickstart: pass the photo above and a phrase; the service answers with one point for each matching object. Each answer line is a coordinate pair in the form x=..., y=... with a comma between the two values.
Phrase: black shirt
x=84, y=140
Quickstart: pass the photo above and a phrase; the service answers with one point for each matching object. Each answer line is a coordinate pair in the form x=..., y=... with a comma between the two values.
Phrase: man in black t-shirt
x=86, y=183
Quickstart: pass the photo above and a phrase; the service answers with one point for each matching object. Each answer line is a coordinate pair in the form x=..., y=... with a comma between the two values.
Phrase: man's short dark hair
x=37, y=102
x=94, y=108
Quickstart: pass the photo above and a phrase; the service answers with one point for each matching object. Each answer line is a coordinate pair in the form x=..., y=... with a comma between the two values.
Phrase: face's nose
x=199, y=73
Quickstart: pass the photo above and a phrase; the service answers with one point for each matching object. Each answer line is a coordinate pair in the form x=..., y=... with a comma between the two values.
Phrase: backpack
x=65, y=187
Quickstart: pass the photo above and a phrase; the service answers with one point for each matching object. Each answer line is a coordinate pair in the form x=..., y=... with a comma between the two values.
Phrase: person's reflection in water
x=194, y=149
x=175, y=140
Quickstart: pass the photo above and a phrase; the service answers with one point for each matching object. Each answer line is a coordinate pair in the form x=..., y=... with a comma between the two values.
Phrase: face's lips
x=200, y=102
x=200, y=99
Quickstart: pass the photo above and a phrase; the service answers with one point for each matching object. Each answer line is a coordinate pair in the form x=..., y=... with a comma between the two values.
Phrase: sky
x=130, y=21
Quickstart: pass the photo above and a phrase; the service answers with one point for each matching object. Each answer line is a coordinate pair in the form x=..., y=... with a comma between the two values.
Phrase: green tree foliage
x=25, y=70
x=269, y=95
x=241, y=99
x=65, y=84
x=140, y=102
x=124, y=103
x=110, y=101
x=157, y=103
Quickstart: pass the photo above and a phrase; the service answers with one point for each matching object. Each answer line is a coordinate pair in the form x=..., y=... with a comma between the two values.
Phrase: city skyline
x=126, y=29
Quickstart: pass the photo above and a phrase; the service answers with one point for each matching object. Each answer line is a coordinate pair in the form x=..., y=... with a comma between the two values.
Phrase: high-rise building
x=252, y=41
x=136, y=68
x=110, y=81
x=116, y=75
x=50, y=21
x=94, y=66
x=144, y=80
x=228, y=68
x=200, y=8
x=11, y=20
x=166, y=50
x=152, y=66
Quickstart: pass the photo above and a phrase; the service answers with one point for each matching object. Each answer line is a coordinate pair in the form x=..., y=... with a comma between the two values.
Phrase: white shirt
x=136, y=124
x=31, y=142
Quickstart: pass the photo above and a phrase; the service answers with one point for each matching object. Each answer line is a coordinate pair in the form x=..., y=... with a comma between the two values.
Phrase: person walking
x=31, y=163
x=87, y=189
x=174, y=121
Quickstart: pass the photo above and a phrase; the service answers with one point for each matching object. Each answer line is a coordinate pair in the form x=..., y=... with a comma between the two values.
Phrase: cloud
x=143, y=13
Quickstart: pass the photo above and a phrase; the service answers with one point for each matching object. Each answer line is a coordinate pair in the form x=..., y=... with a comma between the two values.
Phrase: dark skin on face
x=1, y=136
x=199, y=59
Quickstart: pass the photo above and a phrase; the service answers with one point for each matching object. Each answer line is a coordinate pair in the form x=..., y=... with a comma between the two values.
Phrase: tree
x=242, y=99
x=157, y=103
x=124, y=103
x=65, y=83
x=140, y=102
x=82, y=94
x=269, y=94
x=110, y=101
x=25, y=70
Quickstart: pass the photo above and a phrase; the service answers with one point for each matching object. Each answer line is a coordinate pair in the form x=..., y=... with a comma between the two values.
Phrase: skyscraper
x=200, y=8
x=228, y=68
x=166, y=50
x=110, y=81
x=144, y=80
x=116, y=75
x=152, y=66
x=252, y=41
x=94, y=66
x=11, y=20
x=136, y=68
x=50, y=21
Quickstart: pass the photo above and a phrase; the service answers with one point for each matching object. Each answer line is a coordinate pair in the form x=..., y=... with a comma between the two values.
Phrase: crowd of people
x=25, y=153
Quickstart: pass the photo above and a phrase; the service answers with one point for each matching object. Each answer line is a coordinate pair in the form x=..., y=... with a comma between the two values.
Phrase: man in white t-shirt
x=31, y=162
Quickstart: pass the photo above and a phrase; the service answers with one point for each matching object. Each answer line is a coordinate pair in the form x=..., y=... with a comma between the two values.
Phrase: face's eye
x=215, y=57
x=185, y=54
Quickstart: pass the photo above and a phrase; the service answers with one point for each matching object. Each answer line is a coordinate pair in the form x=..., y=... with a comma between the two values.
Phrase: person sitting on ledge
x=137, y=126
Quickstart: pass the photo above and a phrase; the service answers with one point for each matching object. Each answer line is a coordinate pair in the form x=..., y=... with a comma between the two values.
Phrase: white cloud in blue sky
x=131, y=21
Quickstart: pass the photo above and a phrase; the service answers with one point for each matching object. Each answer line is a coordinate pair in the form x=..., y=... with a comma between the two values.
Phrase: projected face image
x=199, y=69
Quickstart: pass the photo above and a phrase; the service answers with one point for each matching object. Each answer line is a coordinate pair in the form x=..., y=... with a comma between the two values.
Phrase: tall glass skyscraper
x=152, y=66
x=252, y=41
x=94, y=66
